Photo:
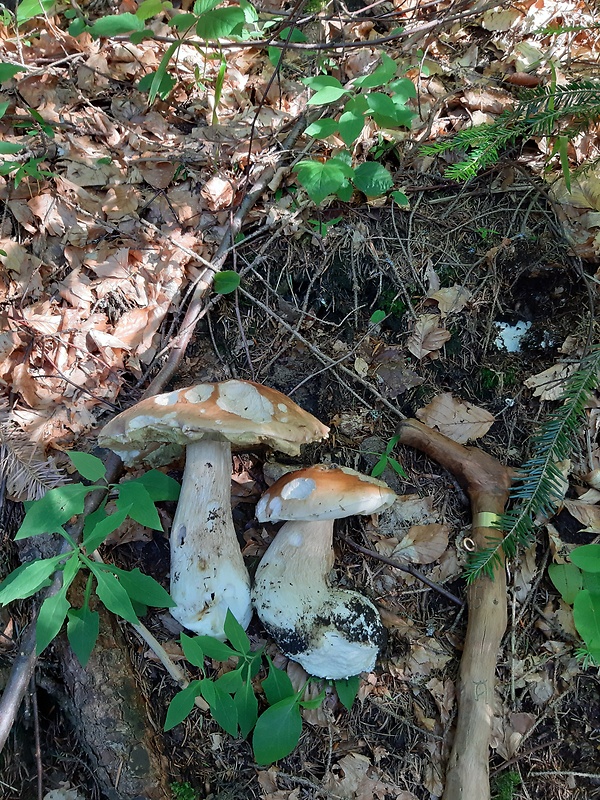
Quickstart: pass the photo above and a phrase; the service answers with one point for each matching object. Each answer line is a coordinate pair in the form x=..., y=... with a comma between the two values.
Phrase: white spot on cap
x=274, y=507
x=167, y=399
x=296, y=540
x=199, y=393
x=245, y=401
x=298, y=489
x=282, y=407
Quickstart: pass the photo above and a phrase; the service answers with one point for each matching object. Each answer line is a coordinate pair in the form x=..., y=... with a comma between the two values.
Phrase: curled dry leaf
x=456, y=419
x=218, y=193
x=451, y=300
x=548, y=385
x=355, y=778
x=423, y=544
x=588, y=515
x=427, y=337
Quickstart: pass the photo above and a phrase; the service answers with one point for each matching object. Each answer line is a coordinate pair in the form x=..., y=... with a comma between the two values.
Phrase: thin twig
x=405, y=568
x=36, y=736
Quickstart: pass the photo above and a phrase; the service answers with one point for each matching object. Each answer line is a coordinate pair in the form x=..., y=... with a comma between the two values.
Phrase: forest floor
x=488, y=291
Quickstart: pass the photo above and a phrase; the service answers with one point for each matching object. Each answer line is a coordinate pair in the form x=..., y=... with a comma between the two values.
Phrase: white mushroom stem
x=332, y=633
x=208, y=574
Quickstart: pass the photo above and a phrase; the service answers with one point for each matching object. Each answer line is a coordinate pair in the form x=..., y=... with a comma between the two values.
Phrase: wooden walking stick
x=487, y=483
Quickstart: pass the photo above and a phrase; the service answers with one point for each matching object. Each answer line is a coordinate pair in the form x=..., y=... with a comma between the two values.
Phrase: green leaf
x=50, y=619
x=202, y=6
x=380, y=103
x=322, y=128
x=379, y=467
x=192, y=650
x=586, y=614
x=28, y=579
x=562, y=144
x=230, y=681
x=587, y=557
x=116, y=24
x=277, y=731
x=235, y=634
x=134, y=496
x=8, y=71
x=277, y=685
x=83, y=627
x=95, y=536
x=568, y=580
x=380, y=76
x=57, y=506
x=401, y=199
x=226, y=282
x=181, y=705
x=113, y=595
x=151, y=8
x=213, y=648
x=345, y=191
x=87, y=465
x=591, y=581
x=351, y=125
x=222, y=706
x=161, y=73
x=32, y=8
x=220, y=23
x=314, y=703
x=4, y=106
x=159, y=486
x=329, y=94
x=402, y=90
x=142, y=588
x=320, y=179
x=296, y=35
x=274, y=54
x=347, y=690
x=247, y=707
x=397, y=467
x=377, y=317
x=77, y=27
x=372, y=179
x=183, y=22
x=165, y=86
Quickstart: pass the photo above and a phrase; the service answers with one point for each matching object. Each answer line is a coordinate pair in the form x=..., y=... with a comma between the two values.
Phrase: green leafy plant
x=504, y=786
x=226, y=281
x=183, y=791
x=538, y=485
x=232, y=699
x=551, y=110
x=387, y=460
x=387, y=108
x=579, y=585
x=126, y=593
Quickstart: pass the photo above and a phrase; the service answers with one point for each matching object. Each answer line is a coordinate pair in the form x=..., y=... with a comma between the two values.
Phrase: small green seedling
x=387, y=460
x=127, y=593
x=232, y=700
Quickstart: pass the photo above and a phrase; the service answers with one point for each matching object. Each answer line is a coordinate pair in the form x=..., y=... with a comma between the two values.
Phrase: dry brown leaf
x=548, y=385
x=158, y=174
x=218, y=193
x=485, y=98
x=423, y=543
x=120, y=201
x=451, y=300
x=588, y=515
x=427, y=337
x=355, y=778
x=457, y=419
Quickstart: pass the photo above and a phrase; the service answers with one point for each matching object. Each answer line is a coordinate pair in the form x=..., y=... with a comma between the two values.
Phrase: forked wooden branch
x=487, y=483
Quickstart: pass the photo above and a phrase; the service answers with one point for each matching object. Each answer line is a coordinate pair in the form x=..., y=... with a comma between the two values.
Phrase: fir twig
x=540, y=112
x=538, y=487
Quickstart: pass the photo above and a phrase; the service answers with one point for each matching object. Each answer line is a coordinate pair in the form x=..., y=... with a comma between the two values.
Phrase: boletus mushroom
x=332, y=633
x=208, y=574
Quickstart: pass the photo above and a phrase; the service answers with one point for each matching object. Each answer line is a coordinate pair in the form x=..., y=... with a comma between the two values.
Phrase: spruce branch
x=544, y=111
x=538, y=487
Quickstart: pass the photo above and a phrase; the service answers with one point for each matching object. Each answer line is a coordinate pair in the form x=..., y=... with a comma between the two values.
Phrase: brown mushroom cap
x=244, y=413
x=324, y=491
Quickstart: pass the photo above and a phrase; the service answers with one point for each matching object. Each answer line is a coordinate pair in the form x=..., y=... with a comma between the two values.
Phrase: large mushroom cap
x=157, y=429
x=324, y=491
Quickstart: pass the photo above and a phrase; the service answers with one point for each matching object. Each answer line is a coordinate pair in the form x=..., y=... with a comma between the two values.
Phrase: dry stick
x=487, y=483
x=405, y=568
x=194, y=310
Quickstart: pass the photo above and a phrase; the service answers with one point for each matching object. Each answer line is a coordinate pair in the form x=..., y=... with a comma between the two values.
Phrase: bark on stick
x=487, y=483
